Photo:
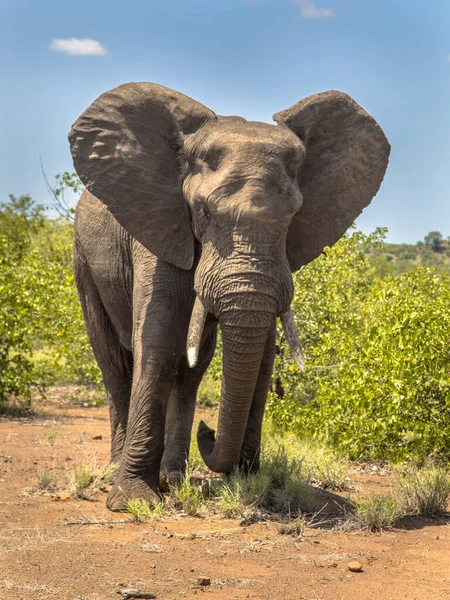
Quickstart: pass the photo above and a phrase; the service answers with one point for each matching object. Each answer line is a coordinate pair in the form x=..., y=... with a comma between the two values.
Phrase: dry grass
x=46, y=480
x=51, y=435
x=423, y=491
x=378, y=513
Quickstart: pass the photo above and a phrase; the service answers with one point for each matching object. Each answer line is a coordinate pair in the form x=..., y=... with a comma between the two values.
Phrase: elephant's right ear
x=125, y=150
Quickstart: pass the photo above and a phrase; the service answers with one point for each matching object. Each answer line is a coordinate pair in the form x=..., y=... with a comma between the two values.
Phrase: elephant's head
x=259, y=200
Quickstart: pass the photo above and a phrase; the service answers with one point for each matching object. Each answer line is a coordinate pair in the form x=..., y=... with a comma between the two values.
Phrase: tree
x=434, y=239
x=21, y=218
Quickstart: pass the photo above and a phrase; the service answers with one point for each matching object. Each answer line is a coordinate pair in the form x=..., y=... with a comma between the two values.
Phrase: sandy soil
x=56, y=547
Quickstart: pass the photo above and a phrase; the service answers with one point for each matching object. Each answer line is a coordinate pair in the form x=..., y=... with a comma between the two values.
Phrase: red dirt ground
x=57, y=547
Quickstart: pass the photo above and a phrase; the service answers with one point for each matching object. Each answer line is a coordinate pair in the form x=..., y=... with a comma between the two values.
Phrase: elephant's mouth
x=197, y=323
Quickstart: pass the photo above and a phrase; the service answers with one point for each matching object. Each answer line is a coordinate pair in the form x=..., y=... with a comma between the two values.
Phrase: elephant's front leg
x=161, y=303
x=138, y=475
x=249, y=461
x=180, y=412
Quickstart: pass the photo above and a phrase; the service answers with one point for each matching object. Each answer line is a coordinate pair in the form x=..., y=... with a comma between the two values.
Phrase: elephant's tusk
x=194, y=337
x=290, y=331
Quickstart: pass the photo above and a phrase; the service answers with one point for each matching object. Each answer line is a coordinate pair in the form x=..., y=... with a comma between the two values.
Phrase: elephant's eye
x=203, y=212
x=202, y=221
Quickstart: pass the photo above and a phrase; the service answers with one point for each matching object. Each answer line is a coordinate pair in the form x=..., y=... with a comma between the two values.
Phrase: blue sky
x=245, y=57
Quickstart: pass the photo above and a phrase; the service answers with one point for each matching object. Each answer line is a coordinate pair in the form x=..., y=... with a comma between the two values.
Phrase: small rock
x=355, y=566
x=97, y=437
x=204, y=581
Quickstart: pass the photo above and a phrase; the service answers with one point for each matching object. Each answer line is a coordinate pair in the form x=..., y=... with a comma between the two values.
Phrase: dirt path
x=74, y=549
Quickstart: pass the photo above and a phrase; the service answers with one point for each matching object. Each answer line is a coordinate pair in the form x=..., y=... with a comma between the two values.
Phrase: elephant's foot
x=168, y=479
x=124, y=490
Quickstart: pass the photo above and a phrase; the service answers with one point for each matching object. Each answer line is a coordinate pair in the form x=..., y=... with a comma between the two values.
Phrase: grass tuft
x=288, y=492
x=229, y=501
x=322, y=466
x=295, y=528
x=140, y=510
x=317, y=463
x=378, y=513
x=46, y=480
x=82, y=478
x=51, y=435
x=106, y=475
x=187, y=497
x=423, y=491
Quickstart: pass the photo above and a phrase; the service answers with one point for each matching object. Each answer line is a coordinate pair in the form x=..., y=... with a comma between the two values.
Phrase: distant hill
x=395, y=259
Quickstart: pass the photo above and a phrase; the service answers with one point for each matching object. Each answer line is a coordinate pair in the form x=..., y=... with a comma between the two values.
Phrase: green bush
x=377, y=381
x=17, y=377
x=42, y=334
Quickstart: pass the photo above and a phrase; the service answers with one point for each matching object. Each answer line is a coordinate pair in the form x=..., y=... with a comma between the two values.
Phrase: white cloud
x=309, y=10
x=78, y=47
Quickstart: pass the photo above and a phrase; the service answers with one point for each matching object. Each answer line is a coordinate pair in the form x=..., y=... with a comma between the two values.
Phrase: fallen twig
x=94, y=522
x=132, y=593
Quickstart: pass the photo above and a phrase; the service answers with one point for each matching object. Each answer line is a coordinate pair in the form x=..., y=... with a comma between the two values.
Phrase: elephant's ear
x=346, y=158
x=125, y=150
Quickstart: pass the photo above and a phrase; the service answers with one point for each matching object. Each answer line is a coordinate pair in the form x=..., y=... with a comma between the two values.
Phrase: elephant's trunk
x=246, y=297
x=243, y=348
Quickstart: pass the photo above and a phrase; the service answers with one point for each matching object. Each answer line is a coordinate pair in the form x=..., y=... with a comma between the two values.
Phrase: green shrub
x=17, y=376
x=377, y=380
x=42, y=333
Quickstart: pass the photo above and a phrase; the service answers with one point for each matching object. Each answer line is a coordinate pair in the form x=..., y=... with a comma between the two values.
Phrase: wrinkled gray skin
x=179, y=203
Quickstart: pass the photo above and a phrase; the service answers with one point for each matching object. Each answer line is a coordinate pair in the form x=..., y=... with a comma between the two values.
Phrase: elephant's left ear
x=346, y=158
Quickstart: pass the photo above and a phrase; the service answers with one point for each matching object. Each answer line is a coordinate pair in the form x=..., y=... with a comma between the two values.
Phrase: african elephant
x=189, y=220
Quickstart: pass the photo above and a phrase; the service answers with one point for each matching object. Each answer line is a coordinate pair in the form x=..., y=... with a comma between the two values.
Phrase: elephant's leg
x=138, y=475
x=162, y=301
x=180, y=413
x=119, y=404
x=115, y=361
x=251, y=447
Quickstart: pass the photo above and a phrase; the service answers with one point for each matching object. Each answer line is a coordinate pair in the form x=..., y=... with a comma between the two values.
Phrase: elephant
x=190, y=220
